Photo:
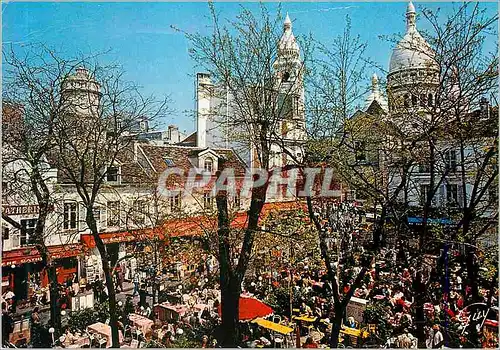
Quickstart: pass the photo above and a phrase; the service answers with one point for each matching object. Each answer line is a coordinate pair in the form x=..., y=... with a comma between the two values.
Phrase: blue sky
x=154, y=56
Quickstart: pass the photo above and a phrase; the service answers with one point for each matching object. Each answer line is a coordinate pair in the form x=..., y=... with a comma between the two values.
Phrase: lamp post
x=51, y=331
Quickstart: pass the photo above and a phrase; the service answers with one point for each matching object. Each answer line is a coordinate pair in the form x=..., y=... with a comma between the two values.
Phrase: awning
x=273, y=326
x=184, y=227
x=431, y=221
x=31, y=254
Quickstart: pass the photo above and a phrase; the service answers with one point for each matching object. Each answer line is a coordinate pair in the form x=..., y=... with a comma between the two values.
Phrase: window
x=424, y=168
x=493, y=194
x=424, y=194
x=169, y=162
x=430, y=100
x=452, y=194
x=406, y=100
x=113, y=213
x=422, y=100
x=70, y=216
x=237, y=201
x=112, y=174
x=208, y=165
x=5, y=232
x=414, y=101
x=296, y=105
x=27, y=231
x=140, y=210
x=175, y=203
x=450, y=158
x=359, y=149
x=286, y=77
x=207, y=201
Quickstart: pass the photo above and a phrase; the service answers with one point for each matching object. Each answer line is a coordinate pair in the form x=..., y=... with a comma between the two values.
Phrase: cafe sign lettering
x=21, y=209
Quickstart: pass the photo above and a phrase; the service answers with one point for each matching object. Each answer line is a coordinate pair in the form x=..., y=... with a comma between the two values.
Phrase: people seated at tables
x=351, y=323
x=67, y=338
x=305, y=309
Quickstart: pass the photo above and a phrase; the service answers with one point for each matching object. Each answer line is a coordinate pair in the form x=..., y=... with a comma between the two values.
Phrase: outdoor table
x=105, y=331
x=304, y=318
x=141, y=322
x=80, y=341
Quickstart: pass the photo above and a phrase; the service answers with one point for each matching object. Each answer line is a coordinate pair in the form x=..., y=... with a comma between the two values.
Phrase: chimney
x=203, y=97
x=484, y=106
x=173, y=134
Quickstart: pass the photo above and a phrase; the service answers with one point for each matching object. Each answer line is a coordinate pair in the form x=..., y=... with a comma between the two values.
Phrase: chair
x=134, y=344
x=91, y=338
x=277, y=319
x=101, y=340
x=126, y=330
x=372, y=328
x=142, y=344
x=138, y=333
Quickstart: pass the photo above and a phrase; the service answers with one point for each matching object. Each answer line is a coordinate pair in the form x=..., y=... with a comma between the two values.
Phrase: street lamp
x=51, y=331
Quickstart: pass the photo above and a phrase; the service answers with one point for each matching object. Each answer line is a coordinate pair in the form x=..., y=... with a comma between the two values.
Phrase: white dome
x=412, y=51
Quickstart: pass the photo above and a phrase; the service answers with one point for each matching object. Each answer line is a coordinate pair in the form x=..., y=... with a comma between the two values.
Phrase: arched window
x=414, y=101
x=208, y=165
x=422, y=100
x=430, y=100
x=407, y=100
x=286, y=77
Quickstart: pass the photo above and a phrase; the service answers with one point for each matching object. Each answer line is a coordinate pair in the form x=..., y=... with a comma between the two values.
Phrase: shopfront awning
x=183, y=227
x=431, y=221
x=31, y=254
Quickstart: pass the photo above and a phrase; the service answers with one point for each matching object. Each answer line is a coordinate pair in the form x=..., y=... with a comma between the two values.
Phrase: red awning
x=31, y=254
x=183, y=227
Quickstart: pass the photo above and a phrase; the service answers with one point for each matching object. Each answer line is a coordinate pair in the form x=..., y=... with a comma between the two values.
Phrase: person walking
x=136, y=284
x=437, y=339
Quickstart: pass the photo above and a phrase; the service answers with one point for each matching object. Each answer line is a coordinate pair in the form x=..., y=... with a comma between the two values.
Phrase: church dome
x=412, y=51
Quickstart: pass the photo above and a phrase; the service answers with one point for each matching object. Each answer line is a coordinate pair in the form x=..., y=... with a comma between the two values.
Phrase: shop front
x=24, y=273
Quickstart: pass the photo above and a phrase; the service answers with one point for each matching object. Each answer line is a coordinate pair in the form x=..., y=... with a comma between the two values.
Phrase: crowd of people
x=394, y=315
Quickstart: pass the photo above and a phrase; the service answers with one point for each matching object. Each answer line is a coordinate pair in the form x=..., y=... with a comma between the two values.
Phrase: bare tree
x=257, y=81
x=87, y=112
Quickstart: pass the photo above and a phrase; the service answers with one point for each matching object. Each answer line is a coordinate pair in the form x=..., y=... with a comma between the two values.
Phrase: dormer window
x=208, y=165
x=169, y=162
x=113, y=174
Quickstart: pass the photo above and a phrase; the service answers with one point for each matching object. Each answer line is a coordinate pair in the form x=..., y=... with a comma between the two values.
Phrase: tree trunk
x=337, y=326
x=230, y=297
x=108, y=275
x=55, y=315
x=472, y=275
x=419, y=290
x=113, y=316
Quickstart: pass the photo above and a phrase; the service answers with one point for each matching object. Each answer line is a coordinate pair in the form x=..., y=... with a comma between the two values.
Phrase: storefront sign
x=21, y=209
x=31, y=254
